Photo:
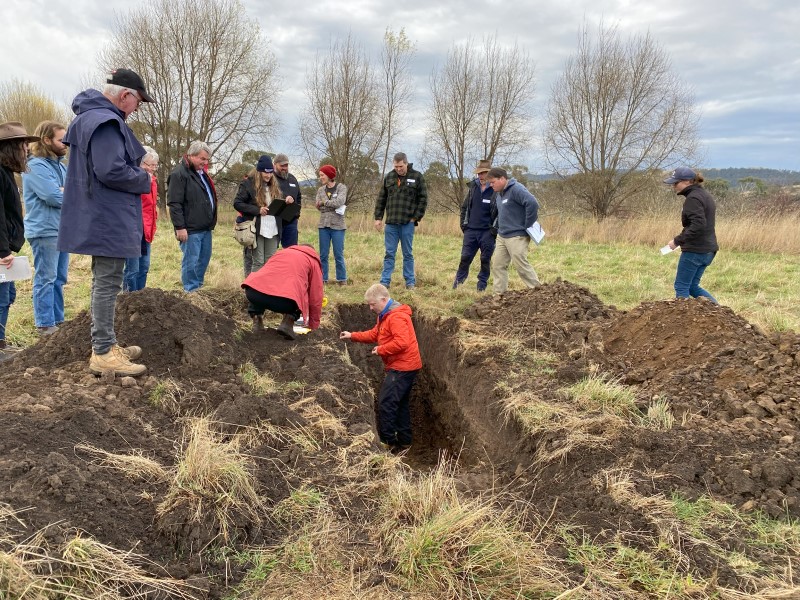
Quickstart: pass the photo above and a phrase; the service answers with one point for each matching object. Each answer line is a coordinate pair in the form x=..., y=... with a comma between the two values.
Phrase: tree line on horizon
x=615, y=113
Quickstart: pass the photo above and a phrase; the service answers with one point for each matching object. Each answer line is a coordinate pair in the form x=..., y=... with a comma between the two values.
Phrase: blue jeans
x=326, y=236
x=474, y=240
x=690, y=269
x=49, y=277
x=404, y=234
x=134, y=278
x=196, y=256
x=8, y=293
x=289, y=234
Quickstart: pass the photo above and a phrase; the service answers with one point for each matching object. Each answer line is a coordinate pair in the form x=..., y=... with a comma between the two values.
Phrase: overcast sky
x=741, y=57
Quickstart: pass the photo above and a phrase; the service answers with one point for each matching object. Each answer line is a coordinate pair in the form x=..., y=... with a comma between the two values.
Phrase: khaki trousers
x=508, y=250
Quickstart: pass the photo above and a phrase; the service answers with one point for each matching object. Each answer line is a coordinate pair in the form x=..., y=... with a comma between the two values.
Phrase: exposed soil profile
x=734, y=393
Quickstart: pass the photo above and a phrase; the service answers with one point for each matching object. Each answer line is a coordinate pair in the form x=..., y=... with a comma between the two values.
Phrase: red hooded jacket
x=150, y=211
x=294, y=272
x=396, y=339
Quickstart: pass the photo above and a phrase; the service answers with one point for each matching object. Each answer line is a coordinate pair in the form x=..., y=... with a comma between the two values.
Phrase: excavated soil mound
x=735, y=394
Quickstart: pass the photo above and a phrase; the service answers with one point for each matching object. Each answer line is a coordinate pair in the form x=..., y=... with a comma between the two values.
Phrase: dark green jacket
x=404, y=202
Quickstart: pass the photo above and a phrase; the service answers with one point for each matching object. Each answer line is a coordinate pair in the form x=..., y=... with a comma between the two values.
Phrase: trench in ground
x=453, y=411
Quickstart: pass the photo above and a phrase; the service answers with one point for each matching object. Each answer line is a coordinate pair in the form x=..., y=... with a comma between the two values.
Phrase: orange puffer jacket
x=396, y=339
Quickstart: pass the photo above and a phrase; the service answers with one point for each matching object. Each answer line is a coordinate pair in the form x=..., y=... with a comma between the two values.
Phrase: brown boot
x=114, y=360
x=286, y=328
x=258, y=324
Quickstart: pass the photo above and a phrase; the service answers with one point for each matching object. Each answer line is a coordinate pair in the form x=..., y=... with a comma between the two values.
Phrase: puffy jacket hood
x=310, y=252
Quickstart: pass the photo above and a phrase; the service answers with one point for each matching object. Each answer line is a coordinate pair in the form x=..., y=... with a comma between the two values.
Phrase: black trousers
x=394, y=416
x=260, y=302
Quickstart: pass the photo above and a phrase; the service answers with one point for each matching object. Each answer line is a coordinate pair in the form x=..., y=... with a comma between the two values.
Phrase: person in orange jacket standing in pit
x=398, y=348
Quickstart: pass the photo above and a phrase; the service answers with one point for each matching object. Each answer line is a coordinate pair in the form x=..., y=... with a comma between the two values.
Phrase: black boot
x=258, y=324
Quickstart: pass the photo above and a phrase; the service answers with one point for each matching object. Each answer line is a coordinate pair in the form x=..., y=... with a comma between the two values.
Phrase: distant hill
x=768, y=176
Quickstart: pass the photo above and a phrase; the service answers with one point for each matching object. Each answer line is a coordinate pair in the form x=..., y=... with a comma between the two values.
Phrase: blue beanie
x=264, y=164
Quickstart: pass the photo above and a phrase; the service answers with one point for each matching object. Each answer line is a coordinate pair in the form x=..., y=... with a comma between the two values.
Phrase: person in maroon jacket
x=289, y=283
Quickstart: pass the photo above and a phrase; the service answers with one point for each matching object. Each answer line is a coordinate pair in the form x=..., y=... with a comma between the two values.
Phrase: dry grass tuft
x=603, y=393
x=457, y=548
x=213, y=477
x=135, y=465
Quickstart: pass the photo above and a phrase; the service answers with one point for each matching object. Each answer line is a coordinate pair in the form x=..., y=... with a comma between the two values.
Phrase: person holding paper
x=13, y=159
x=331, y=202
x=476, y=224
x=43, y=194
x=698, y=239
x=516, y=210
x=255, y=198
x=192, y=201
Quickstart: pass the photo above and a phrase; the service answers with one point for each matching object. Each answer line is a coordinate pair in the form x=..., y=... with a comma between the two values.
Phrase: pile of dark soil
x=734, y=391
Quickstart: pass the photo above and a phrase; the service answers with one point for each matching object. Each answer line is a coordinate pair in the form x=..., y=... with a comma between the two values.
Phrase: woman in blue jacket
x=43, y=192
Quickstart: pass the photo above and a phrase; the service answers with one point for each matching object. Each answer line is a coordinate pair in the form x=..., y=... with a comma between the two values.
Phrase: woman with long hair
x=13, y=159
x=698, y=239
x=252, y=200
x=43, y=194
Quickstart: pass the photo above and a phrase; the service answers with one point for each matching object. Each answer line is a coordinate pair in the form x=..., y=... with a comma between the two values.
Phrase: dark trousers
x=394, y=415
x=260, y=302
x=474, y=240
x=289, y=234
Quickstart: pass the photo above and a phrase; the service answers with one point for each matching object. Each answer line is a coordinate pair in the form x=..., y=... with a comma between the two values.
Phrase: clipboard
x=287, y=212
x=19, y=269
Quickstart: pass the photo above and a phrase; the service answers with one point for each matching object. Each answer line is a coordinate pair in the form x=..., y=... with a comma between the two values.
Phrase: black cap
x=129, y=79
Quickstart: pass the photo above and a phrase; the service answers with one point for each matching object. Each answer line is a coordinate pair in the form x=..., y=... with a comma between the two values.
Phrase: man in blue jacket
x=101, y=215
x=476, y=223
x=516, y=210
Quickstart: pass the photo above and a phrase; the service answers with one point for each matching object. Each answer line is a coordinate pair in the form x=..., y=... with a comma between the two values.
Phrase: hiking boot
x=115, y=360
x=286, y=328
x=130, y=352
x=258, y=323
x=47, y=330
x=410, y=286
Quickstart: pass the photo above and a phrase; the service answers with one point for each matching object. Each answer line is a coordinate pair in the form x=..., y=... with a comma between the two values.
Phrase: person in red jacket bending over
x=398, y=348
x=289, y=283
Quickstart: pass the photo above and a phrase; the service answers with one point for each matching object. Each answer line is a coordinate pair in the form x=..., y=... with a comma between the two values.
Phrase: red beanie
x=329, y=170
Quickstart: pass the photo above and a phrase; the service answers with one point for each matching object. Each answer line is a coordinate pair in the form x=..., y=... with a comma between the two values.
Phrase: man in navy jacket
x=476, y=223
x=101, y=214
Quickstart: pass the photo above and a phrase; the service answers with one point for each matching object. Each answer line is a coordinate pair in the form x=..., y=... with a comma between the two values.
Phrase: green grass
x=762, y=287
x=600, y=393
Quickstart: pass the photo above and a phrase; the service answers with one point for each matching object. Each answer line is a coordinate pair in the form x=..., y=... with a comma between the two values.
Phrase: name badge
x=292, y=185
x=335, y=196
x=411, y=180
x=505, y=200
x=486, y=200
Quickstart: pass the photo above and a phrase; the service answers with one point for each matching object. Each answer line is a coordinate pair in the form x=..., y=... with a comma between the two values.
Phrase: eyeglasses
x=138, y=98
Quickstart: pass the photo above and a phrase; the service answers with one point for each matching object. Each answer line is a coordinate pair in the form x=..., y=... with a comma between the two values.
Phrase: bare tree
x=208, y=66
x=24, y=102
x=481, y=108
x=617, y=112
x=344, y=123
x=396, y=57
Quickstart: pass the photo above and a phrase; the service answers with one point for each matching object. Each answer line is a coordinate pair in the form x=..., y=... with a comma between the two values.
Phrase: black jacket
x=697, y=217
x=475, y=194
x=12, y=230
x=189, y=207
x=245, y=202
x=290, y=187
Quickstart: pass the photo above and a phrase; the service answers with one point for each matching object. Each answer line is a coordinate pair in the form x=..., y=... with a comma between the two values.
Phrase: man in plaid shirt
x=403, y=198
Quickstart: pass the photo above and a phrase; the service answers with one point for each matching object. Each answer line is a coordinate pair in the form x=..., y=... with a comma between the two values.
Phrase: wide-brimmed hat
x=483, y=166
x=14, y=130
x=129, y=79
